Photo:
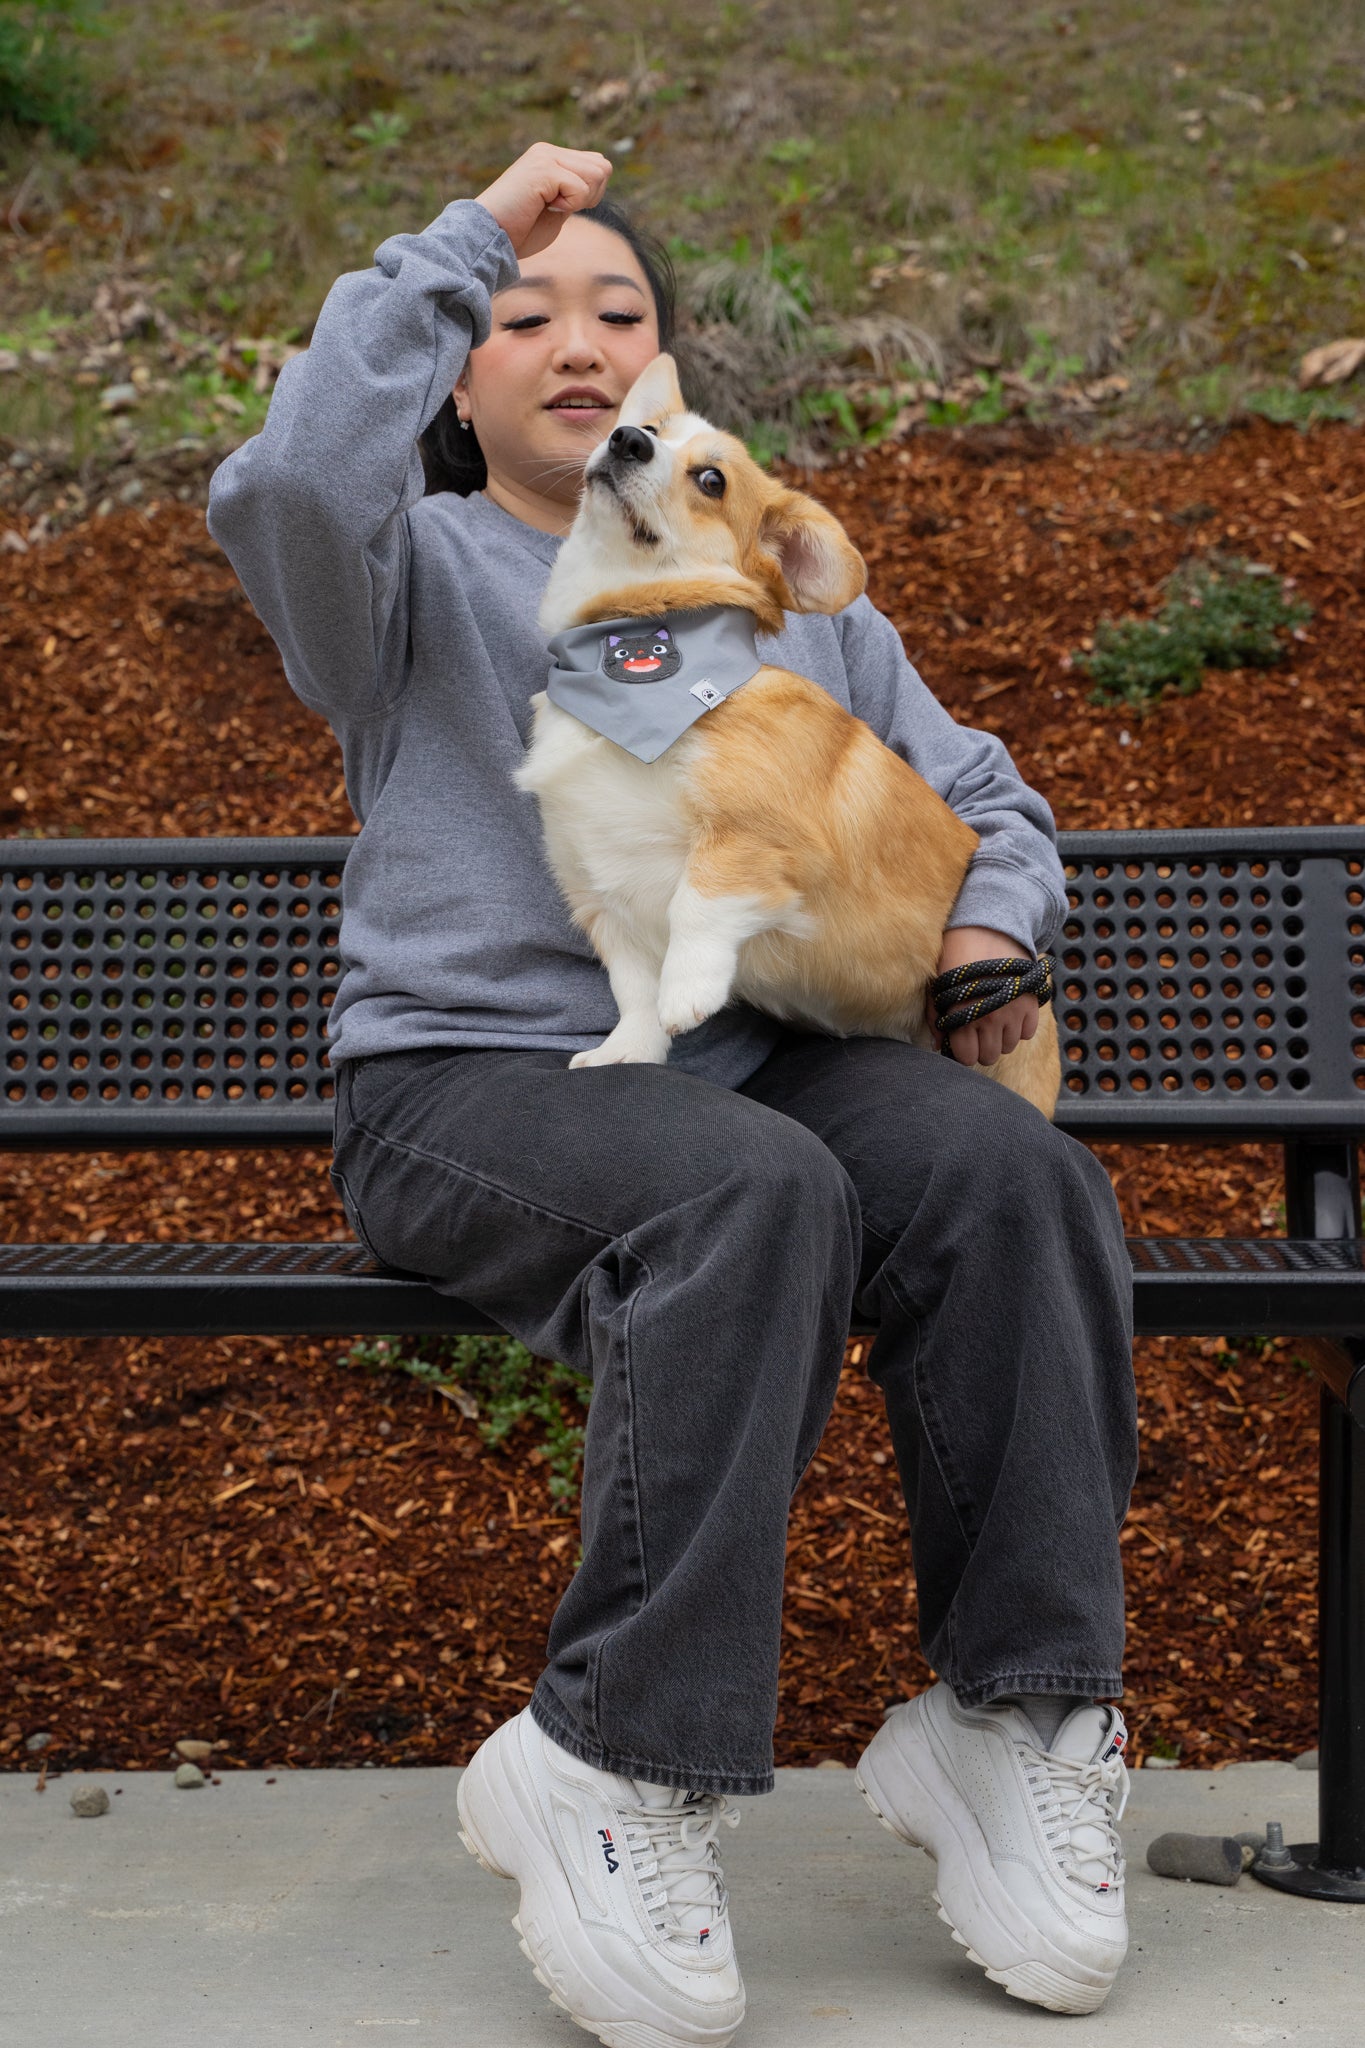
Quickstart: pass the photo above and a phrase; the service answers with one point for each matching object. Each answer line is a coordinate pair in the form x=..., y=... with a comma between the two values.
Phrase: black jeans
x=699, y=1250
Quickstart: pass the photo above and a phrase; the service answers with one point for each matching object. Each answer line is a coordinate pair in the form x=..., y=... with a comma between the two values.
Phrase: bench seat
x=1182, y=1286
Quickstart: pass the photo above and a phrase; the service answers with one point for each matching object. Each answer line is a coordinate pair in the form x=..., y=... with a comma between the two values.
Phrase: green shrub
x=1286, y=406
x=499, y=1385
x=1220, y=612
x=42, y=82
x=381, y=130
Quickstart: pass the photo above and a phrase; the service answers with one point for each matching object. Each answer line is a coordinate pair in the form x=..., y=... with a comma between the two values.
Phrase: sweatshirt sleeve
x=1015, y=883
x=312, y=512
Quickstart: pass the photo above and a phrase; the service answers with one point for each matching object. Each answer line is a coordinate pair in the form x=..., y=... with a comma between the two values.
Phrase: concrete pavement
x=338, y=1907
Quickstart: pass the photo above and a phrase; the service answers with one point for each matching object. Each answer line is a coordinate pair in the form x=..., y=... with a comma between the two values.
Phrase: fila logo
x=608, y=1850
x=1115, y=1748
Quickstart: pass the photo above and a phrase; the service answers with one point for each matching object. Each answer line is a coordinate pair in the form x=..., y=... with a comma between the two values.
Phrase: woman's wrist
x=965, y=943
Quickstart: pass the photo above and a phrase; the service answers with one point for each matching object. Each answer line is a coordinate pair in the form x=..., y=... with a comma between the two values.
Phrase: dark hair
x=451, y=455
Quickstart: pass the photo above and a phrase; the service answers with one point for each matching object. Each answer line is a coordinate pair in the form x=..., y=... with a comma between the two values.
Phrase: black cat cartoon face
x=647, y=657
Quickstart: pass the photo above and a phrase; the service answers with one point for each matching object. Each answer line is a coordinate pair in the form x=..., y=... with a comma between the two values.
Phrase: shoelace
x=1069, y=1795
x=674, y=1853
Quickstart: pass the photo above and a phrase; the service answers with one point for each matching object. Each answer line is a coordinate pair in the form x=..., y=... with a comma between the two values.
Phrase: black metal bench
x=1212, y=986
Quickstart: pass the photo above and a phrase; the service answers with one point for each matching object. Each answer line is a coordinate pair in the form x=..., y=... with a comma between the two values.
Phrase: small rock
x=1161, y=1763
x=831, y=1763
x=9, y=361
x=118, y=397
x=1308, y=1761
x=188, y=1776
x=194, y=1752
x=1197, y=1859
x=37, y=1742
x=21, y=459
x=104, y=508
x=131, y=491
x=88, y=1802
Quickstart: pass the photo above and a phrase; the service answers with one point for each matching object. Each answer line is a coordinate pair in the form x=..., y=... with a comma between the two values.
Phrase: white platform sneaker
x=1030, y=1867
x=623, y=1910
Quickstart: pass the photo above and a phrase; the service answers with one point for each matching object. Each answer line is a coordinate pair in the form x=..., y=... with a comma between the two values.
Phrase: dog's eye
x=650, y=430
x=710, y=481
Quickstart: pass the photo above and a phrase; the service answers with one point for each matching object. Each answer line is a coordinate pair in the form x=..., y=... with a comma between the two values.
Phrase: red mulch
x=236, y=1539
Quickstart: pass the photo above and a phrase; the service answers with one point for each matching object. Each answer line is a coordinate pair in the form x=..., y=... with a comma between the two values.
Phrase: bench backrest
x=175, y=991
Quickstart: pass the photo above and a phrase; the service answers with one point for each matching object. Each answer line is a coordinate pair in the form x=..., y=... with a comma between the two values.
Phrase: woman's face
x=567, y=342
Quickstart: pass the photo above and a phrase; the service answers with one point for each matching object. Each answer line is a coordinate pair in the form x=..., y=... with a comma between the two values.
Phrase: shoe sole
x=989, y=1928
x=536, y=1929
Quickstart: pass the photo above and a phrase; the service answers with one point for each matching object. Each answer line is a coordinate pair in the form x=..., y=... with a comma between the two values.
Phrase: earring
x=464, y=426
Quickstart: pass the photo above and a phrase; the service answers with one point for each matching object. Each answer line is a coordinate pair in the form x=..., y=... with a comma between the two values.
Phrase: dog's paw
x=682, y=1008
x=642, y=1044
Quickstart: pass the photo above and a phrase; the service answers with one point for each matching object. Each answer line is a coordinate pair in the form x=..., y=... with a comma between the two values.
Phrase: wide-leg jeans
x=700, y=1251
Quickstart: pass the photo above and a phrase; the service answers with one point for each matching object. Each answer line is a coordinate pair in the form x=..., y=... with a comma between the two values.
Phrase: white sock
x=1046, y=1710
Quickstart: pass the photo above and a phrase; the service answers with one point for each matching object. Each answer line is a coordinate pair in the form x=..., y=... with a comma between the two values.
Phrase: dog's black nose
x=632, y=444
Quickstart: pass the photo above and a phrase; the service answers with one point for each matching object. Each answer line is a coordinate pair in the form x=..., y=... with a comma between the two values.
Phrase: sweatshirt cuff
x=1000, y=897
x=466, y=241
x=495, y=260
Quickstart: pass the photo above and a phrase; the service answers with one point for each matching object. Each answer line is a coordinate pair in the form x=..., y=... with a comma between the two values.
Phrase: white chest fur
x=617, y=830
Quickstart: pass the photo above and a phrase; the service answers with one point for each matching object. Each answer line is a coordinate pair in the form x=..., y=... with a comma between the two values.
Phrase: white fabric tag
x=708, y=693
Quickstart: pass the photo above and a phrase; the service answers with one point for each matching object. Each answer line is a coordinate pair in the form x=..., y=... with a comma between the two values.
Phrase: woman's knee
x=991, y=1163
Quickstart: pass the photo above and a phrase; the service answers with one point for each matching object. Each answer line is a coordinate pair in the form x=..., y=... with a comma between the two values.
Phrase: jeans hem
x=549, y=1717
x=980, y=1692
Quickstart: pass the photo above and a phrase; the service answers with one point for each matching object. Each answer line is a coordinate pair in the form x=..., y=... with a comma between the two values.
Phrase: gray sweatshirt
x=409, y=622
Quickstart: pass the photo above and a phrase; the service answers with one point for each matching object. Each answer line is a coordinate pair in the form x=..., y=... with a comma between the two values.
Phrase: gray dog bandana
x=643, y=682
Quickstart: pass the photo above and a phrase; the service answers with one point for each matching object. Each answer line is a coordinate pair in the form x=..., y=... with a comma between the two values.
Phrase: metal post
x=1322, y=1200
x=1341, y=1634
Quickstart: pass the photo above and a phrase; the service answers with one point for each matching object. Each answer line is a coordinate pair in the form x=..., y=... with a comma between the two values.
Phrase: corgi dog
x=772, y=850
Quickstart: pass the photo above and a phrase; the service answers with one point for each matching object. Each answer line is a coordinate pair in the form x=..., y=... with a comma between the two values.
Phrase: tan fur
x=778, y=798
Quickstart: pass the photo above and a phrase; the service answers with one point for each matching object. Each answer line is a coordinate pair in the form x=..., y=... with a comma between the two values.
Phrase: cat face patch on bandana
x=692, y=661
x=641, y=658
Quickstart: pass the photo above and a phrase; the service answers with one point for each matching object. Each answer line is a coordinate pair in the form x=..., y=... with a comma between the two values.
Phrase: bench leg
x=1333, y=1867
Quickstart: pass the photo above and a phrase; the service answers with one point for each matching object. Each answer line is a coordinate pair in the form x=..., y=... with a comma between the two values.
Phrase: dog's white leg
x=705, y=935
x=634, y=974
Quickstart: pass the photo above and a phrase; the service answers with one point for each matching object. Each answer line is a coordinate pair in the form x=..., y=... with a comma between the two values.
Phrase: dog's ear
x=655, y=395
x=821, y=568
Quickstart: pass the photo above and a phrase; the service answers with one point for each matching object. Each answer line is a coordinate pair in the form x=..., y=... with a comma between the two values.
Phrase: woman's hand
x=533, y=195
x=991, y=1037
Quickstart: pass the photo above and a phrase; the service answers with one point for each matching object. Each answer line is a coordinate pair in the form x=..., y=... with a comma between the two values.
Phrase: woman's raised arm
x=312, y=511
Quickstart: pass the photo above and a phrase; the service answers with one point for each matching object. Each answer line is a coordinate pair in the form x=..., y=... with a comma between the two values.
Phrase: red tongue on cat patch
x=643, y=665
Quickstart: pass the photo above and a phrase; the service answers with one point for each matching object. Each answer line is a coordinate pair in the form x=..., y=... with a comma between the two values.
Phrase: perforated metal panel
x=158, y=990
x=176, y=991
x=1213, y=983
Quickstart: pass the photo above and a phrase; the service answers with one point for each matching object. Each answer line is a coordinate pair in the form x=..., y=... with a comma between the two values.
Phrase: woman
x=696, y=1235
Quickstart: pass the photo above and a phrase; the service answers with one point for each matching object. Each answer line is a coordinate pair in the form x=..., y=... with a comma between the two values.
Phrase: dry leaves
x=1333, y=363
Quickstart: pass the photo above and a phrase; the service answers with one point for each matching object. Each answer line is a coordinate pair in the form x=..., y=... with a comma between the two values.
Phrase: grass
x=1220, y=612
x=1048, y=192
x=498, y=1385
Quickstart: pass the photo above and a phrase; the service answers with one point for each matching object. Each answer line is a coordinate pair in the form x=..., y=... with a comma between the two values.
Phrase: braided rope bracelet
x=965, y=994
